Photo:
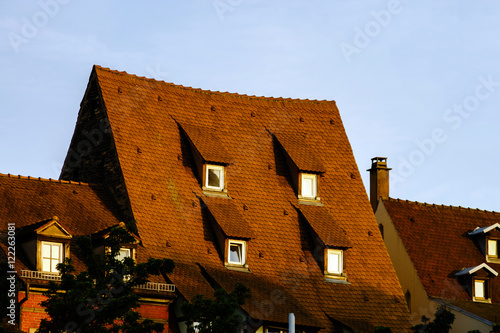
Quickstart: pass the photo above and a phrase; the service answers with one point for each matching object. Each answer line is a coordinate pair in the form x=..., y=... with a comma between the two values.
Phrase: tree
x=382, y=329
x=218, y=314
x=101, y=299
x=441, y=324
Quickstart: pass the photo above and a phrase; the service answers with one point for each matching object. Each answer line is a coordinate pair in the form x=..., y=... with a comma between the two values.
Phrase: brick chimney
x=379, y=180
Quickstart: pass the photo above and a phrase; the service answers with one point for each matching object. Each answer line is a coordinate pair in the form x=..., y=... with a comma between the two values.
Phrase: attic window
x=334, y=261
x=123, y=253
x=492, y=246
x=308, y=186
x=214, y=177
x=52, y=254
x=480, y=290
x=236, y=252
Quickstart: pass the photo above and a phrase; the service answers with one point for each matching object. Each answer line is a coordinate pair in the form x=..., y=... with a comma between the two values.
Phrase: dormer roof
x=472, y=270
x=228, y=217
x=305, y=157
x=484, y=230
x=50, y=227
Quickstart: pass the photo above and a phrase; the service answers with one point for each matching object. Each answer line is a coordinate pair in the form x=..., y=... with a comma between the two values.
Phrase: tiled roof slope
x=304, y=157
x=163, y=189
x=81, y=208
x=436, y=238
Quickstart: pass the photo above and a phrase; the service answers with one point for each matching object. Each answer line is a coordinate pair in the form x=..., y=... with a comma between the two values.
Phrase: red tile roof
x=437, y=240
x=225, y=214
x=281, y=260
x=207, y=143
x=304, y=156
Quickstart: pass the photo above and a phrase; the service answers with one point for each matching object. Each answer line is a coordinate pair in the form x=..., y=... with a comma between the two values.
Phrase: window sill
x=311, y=202
x=336, y=279
x=215, y=194
x=493, y=260
x=237, y=268
x=481, y=300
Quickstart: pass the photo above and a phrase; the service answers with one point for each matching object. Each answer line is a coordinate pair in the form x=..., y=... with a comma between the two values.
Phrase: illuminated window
x=309, y=185
x=124, y=253
x=52, y=254
x=480, y=289
x=214, y=177
x=236, y=252
x=334, y=261
x=492, y=248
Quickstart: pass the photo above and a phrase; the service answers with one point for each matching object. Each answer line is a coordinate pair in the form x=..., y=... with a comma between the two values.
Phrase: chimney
x=379, y=180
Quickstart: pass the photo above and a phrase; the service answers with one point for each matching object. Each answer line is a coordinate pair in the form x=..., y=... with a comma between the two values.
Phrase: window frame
x=494, y=257
x=61, y=255
x=243, y=245
x=485, y=289
x=314, y=177
x=222, y=178
x=340, y=265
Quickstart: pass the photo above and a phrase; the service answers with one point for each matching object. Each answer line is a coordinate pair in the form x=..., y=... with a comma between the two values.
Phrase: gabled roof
x=158, y=176
x=437, y=239
x=82, y=209
x=472, y=270
x=41, y=227
x=484, y=230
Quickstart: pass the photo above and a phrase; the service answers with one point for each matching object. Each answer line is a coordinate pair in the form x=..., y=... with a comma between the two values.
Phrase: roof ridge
x=205, y=91
x=50, y=180
x=443, y=206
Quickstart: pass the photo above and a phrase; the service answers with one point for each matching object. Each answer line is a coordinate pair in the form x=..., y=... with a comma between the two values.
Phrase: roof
x=472, y=270
x=158, y=172
x=206, y=142
x=228, y=217
x=305, y=157
x=30, y=203
x=438, y=241
x=484, y=230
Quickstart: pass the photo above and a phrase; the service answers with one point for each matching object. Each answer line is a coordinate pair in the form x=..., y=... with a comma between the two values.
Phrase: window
x=334, y=262
x=52, y=254
x=214, y=178
x=236, y=252
x=124, y=253
x=309, y=185
x=480, y=290
x=492, y=248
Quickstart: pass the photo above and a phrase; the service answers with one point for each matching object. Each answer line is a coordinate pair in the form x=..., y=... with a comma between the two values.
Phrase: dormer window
x=52, y=254
x=481, y=290
x=334, y=261
x=477, y=281
x=214, y=177
x=492, y=249
x=123, y=253
x=308, y=186
x=236, y=254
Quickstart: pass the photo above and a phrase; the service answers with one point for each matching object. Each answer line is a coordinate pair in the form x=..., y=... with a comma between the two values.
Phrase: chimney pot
x=379, y=180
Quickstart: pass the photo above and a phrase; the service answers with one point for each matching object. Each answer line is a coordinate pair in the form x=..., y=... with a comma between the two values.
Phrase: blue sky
x=415, y=81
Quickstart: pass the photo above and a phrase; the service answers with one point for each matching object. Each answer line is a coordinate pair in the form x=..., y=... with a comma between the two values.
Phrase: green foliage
x=474, y=331
x=218, y=314
x=496, y=328
x=382, y=329
x=101, y=299
x=441, y=324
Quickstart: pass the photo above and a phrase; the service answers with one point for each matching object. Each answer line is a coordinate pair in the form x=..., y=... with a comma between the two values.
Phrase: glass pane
x=479, y=288
x=124, y=253
x=46, y=250
x=214, y=177
x=53, y=266
x=46, y=265
x=333, y=262
x=56, y=251
x=307, y=187
x=492, y=247
x=235, y=253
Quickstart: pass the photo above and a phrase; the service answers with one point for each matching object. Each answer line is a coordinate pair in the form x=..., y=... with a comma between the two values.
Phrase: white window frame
x=314, y=178
x=484, y=286
x=338, y=270
x=60, y=260
x=221, y=179
x=489, y=247
x=129, y=250
x=243, y=252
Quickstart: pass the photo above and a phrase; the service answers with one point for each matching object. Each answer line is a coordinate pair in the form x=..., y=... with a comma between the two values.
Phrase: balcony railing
x=56, y=277
x=41, y=275
x=157, y=286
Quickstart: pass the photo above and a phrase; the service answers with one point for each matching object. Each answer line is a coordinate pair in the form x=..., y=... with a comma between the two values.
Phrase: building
x=235, y=188
x=443, y=255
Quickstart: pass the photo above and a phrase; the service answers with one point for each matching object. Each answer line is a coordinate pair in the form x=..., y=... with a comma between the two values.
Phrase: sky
x=417, y=82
